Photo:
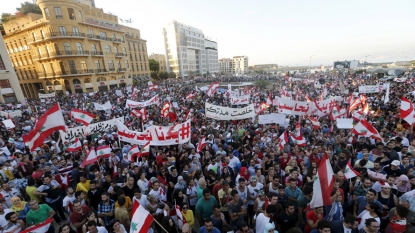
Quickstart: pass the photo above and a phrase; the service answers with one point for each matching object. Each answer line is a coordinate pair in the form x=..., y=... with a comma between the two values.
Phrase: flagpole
x=160, y=225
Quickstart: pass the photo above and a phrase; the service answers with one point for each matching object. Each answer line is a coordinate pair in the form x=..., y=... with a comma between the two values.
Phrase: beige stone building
x=161, y=58
x=74, y=47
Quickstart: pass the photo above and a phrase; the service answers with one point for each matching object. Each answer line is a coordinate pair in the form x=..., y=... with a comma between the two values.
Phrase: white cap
x=396, y=163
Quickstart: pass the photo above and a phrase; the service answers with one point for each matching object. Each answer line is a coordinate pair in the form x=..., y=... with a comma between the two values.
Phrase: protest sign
x=273, y=118
x=225, y=113
x=344, y=123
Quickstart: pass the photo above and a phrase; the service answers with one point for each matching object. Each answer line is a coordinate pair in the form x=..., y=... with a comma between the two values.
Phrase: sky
x=280, y=32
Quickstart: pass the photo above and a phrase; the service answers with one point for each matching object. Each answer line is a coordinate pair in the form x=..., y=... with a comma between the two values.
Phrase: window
x=136, y=65
x=114, y=38
x=119, y=64
x=145, y=65
x=97, y=65
x=47, y=14
x=80, y=14
x=91, y=33
x=62, y=30
x=125, y=51
x=67, y=48
x=111, y=65
x=127, y=65
x=94, y=48
x=79, y=48
x=115, y=50
x=58, y=13
x=84, y=67
x=75, y=31
x=103, y=35
x=132, y=67
x=5, y=84
x=2, y=66
x=71, y=14
x=72, y=66
x=139, y=57
x=107, y=49
x=122, y=39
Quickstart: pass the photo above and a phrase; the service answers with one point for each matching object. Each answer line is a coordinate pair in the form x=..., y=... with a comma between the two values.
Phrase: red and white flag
x=82, y=116
x=190, y=96
x=75, y=146
x=133, y=152
x=314, y=121
x=354, y=105
x=349, y=172
x=212, y=89
x=297, y=135
x=366, y=129
x=153, y=87
x=145, y=150
x=201, y=144
x=142, y=113
x=142, y=219
x=104, y=151
x=180, y=219
x=331, y=128
x=114, y=170
x=366, y=108
x=48, y=123
x=358, y=116
x=407, y=110
x=90, y=158
x=282, y=140
x=335, y=112
x=269, y=99
x=39, y=228
x=323, y=181
x=168, y=111
x=188, y=115
x=262, y=107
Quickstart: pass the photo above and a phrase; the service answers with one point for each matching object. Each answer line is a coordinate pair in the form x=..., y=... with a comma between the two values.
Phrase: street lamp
x=309, y=66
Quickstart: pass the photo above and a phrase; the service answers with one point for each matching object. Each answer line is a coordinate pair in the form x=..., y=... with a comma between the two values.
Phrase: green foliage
x=5, y=17
x=262, y=84
x=154, y=75
x=28, y=7
x=163, y=75
x=172, y=75
x=154, y=65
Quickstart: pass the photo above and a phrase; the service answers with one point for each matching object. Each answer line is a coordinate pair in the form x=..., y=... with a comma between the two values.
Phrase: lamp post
x=309, y=66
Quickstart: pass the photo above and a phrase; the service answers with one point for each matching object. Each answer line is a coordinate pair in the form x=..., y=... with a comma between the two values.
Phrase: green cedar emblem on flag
x=135, y=226
x=82, y=116
x=101, y=152
x=41, y=129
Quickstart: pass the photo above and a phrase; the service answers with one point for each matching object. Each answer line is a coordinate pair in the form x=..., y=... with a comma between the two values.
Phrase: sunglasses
x=184, y=207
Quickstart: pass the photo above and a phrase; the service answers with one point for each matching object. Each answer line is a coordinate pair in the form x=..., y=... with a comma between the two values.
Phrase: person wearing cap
x=253, y=189
x=393, y=169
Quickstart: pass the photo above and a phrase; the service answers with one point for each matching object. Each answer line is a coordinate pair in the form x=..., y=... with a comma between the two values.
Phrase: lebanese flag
x=48, y=123
x=136, y=113
x=358, y=116
x=39, y=228
x=180, y=219
x=90, y=158
x=104, y=151
x=262, y=106
x=297, y=136
x=363, y=98
x=269, y=99
x=366, y=109
x=201, y=144
x=354, y=105
x=143, y=112
x=366, y=129
x=314, y=121
x=153, y=87
x=64, y=181
x=398, y=225
x=133, y=152
x=114, y=170
x=82, y=116
x=331, y=128
x=145, y=150
x=75, y=146
x=335, y=112
x=212, y=89
x=407, y=110
x=190, y=96
x=142, y=219
x=323, y=182
x=349, y=172
x=282, y=140
x=172, y=113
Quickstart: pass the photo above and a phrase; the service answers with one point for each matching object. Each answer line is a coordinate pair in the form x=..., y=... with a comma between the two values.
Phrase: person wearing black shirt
x=94, y=194
x=107, y=183
x=393, y=169
x=171, y=180
x=129, y=188
x=287, y=219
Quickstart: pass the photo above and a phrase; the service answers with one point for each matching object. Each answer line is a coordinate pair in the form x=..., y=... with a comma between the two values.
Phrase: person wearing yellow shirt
x=83, y=184
x=188, y=214
x=30, y=188
x=128, y=203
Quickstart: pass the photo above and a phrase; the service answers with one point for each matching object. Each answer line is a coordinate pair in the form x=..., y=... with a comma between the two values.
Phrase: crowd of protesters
x=241, y=181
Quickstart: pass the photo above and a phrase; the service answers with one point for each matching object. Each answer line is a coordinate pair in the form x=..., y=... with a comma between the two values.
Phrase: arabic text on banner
x=104, y=107
x=157, y=135
x=239, y=100
x=133, y=104
x=16, y=113
x=225, y=113
x=105, y=126
x=301, y=108
x=42, y=96
x=369, y=89
x=273, y=118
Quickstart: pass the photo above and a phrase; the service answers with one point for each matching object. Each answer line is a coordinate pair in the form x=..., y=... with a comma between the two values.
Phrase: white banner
x=225, y=113
x=100, y=127
x=273, y=118
x=157, y=135
x=344, y=123
x=239, y=100
x=291, y=107
x=133, y=104
x=104, y=107
x=16, y=113
x=43, y=96
x=369, y=89
x=9, y=124
x=118, y=92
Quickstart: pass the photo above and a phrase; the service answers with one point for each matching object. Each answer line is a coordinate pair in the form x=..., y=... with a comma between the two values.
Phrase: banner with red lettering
x=239, y=100
x=301, y=108
x=157, y=135
x=134, y=104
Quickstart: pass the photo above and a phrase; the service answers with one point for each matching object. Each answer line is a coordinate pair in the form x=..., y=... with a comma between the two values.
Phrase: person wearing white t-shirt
x=68, y=200
x=253, y=189
x=93, y=228
x=141, y=198
x=3, y=212
x=263, y=218
x=233, y=161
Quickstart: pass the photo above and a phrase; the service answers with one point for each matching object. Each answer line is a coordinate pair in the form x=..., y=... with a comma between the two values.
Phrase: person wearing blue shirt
x=208, y=227
x=362, y=152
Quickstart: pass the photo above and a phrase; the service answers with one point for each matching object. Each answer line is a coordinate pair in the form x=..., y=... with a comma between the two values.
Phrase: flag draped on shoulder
x=82, y=116
x=48, y=123
x=323, y=182
x=212, y=89
x=142, y=219
x=349, y=171
x=39, y=228
x=366, y=129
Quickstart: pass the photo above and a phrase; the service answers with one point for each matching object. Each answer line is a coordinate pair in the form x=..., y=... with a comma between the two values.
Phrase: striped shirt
x=66, y=171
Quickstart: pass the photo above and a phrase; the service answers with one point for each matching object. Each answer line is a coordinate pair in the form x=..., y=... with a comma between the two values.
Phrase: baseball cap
x=396, y=163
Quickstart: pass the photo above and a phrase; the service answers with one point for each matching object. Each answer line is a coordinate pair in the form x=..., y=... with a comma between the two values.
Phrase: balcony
x=96, y=53
x=74, y=53
x=56, y=35
x=122, y=69
x=111, y=69
x=63, y=73
x=117, y=41
x=120, y=55
x=100, y=71
x=94, y=37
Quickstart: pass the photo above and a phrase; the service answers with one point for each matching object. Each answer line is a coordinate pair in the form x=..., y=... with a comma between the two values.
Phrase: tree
x=262, y=84
x=5, y=17
x=172, y=75
x=154, y=65
x=28, y=7
x=154, y=75
x=163, y=75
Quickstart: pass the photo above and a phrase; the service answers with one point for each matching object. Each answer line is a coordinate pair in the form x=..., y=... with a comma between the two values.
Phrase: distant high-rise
x=188, y=52
x=236, y=65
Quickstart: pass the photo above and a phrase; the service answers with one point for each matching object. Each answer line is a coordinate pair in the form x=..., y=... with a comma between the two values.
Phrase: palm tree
x=262, y=84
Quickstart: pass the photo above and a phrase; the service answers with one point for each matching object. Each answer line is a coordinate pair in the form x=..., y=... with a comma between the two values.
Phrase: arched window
x=49, y=83
x=56, y=48
x=114, y=38
x=115, y=50
x=47, y=50
x=56, y=82
x=79, y=48
x=101, y=79
x=76, y=81
x=67, y=48
x=125, y=51
x=94, y=48
x=107, y=49
x=87, y=80
x=66, y=82
x=122, y=38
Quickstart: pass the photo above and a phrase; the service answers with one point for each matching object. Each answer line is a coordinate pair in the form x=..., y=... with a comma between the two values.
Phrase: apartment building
x=161, y=59
x=237, y=65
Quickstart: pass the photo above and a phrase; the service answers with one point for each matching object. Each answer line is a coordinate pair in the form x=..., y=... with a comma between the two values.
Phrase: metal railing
x=96, y=53
x=101, y=71
x=63, y=53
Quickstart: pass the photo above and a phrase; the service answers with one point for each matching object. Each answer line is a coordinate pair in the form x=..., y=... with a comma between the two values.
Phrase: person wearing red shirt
x=161, y=159
x=217, y=187
x=78, y=216
x=284, y=160
x=313, y=217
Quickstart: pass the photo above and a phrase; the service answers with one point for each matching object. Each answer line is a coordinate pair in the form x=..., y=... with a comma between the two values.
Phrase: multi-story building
x=161, y=59
x=211, y=48
x=74, y=47
x=10, y=90
x=265, y=66
x=225, y=66
x=186, y=50
x=237, y=65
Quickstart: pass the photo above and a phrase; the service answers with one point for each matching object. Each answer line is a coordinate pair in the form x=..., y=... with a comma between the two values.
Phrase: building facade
x=74, y=47
x=237, y=65
x=265, y=66
x=161, y=59
x=185, y=49
x=211, y=48
x=10, y=90
x=225, y=66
